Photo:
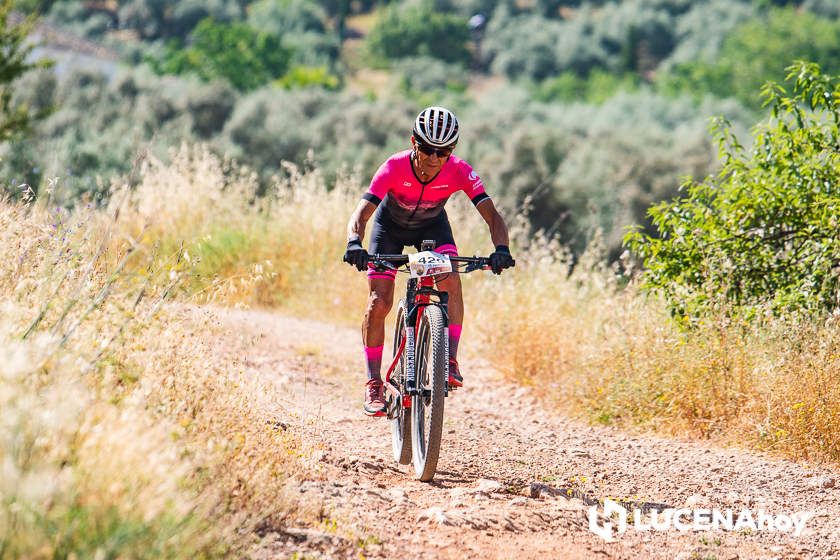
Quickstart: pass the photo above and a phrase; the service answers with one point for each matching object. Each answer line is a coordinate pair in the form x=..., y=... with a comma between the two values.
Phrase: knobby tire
x=427, y=412
x=401, y=425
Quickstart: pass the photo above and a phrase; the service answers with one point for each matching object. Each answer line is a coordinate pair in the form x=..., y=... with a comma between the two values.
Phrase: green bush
x=701, y=32
x=236, y=52
x=15, y=49
x=595, y=88
x=825, y=8
x=423, y=75
x=279, y=17
x=99, y=127
x=33, y=6
x=309, y=76
x=161, y=19
x=630, y=36
x=77, y=17
x=303, y=25
x=418, y=30
x=526, y=47
x=314, y=128
x=764, y=229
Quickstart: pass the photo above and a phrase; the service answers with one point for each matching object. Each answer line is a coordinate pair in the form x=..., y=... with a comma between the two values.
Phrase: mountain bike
x=416, y=383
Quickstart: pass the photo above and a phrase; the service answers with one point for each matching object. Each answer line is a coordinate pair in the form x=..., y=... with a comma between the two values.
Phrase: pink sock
x=454, y=338
x=373, y=358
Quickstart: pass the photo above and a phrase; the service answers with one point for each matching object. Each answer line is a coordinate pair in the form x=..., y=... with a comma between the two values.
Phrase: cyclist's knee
x=379, y=304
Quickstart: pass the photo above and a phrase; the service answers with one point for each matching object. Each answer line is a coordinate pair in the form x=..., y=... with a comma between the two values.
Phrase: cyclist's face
x=427, y=164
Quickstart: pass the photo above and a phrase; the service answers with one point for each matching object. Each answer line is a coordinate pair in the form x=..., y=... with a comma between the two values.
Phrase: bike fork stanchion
x=410, y=322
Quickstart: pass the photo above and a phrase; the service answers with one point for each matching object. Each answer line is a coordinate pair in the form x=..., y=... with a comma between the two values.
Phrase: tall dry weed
x=606, y=352
x=120, y=435
x=83, y=475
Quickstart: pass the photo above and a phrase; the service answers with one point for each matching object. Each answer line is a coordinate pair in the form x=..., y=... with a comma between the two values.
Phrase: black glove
x=356, y=254
x=500, y=259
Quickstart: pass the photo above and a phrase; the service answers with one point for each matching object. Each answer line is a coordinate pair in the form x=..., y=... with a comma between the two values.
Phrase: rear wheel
x=401, y=422
x=427, y=406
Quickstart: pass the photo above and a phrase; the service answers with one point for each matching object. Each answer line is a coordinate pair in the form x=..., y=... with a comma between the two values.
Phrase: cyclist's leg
x=380, y=301
x=380, y=296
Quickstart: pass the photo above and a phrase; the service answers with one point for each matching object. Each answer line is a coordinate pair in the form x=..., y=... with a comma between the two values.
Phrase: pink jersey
x=412, y=203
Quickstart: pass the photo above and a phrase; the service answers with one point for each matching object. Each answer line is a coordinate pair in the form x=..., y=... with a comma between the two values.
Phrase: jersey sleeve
x=472, y=185
x=379, y=185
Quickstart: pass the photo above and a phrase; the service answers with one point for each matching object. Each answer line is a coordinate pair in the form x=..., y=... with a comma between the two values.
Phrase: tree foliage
x=303, y=25
x=307, y=77
x=236, y=52
x=757, y=51
x=634, y=35
x=156, y=19
x=14, y=63
x=419, y=30
x=764, y=229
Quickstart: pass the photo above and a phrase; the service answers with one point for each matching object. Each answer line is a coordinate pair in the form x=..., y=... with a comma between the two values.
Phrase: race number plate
x=428, y=263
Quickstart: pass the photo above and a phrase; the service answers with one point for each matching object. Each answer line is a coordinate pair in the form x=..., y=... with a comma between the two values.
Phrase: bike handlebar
x=473, y=263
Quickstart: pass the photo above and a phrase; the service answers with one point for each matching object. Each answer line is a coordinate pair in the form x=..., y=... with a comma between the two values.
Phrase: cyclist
x=406, y=199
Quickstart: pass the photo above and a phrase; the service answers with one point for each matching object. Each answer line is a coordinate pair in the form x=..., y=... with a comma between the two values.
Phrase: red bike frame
x=421, y=300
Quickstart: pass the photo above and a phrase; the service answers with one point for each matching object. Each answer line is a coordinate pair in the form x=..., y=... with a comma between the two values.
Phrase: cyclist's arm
x=360, y=217
x=379, y=187
x=498, y=228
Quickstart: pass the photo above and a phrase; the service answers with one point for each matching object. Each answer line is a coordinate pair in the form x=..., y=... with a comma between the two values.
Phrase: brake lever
x=474, y=266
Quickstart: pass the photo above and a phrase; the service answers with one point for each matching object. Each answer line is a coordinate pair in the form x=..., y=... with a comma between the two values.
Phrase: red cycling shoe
x=374, y=398
x=455, y=379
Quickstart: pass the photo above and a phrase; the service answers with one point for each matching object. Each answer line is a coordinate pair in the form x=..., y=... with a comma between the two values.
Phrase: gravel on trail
x=515, y=479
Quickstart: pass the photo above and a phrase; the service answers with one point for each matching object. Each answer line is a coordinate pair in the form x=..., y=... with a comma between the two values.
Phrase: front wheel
x=427, y=405
x=401, y=422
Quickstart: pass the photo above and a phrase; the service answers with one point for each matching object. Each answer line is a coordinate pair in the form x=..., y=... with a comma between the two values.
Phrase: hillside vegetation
x=599, y=108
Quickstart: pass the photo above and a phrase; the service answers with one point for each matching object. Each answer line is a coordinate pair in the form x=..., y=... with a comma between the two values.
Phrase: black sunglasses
x=429, y=150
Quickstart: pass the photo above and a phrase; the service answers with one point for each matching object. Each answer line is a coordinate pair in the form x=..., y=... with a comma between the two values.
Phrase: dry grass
x=612, y=356
x=121, y=435
x=283, y=249
x=598, y=350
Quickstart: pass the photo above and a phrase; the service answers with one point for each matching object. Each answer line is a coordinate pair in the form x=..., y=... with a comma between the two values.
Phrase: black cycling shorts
x=387, y=238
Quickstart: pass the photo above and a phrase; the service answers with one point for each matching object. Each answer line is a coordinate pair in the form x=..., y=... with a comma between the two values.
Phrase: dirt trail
x=514, y=479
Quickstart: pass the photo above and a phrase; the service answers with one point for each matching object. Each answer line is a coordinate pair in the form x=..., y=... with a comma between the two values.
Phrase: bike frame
x=418, y=295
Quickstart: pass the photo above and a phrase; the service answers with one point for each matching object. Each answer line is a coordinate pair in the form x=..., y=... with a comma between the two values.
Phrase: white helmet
x=436, y=126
